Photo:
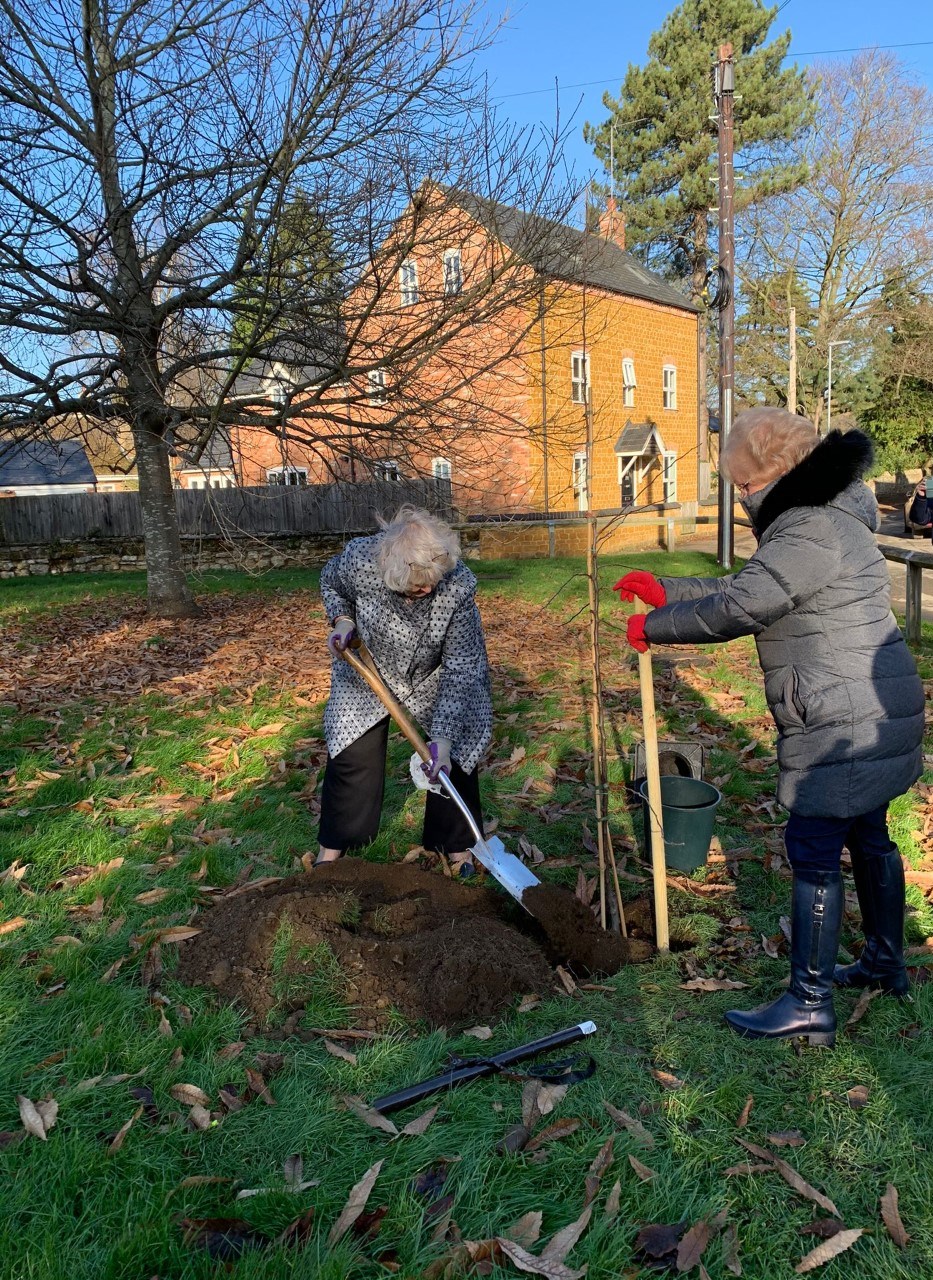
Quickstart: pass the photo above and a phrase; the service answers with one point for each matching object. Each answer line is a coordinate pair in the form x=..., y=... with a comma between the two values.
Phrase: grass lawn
x=143, y=762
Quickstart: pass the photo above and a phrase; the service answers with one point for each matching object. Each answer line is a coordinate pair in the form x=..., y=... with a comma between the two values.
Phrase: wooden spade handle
x=361, y=660
x=653, y=772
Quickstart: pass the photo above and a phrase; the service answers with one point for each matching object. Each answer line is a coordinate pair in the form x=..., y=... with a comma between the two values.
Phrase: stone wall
x=494, y=541
x=120, y=555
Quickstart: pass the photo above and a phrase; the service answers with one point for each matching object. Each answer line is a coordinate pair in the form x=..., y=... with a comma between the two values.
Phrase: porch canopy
x=638, y=448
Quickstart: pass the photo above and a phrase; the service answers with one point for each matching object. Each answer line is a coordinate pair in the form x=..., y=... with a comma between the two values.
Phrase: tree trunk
x=168, y=593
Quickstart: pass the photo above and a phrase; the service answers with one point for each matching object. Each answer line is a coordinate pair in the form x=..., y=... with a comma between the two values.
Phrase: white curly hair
x=765, y=443
x=415, y=550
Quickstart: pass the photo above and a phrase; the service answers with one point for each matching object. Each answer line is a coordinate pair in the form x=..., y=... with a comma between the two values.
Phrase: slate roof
x=636, y=439
x=567, y=253
x=304, y=361
x=43, y=462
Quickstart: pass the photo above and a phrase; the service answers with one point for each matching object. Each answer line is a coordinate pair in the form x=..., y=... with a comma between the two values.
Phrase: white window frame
x=669, y=475
x=387, y=469
x=441, y=468
x=629, y=382
x=579, y=377
x=669, y=386
x=580, y=480
x=453, y=272
x=408, y=282
x=286, y=476
x=376, y=381
x=630, y=466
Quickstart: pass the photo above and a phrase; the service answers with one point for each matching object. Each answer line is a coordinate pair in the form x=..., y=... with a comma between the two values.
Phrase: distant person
x=842, y=687
x=410, y=598
x=920, y=513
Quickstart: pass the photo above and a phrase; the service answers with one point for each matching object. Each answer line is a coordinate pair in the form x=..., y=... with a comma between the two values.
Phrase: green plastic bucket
x=688, y=810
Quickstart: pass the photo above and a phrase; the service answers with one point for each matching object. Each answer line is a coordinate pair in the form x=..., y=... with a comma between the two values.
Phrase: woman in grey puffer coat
x=841, y=685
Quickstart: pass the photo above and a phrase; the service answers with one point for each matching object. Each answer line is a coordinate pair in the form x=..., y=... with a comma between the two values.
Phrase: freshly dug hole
x=399, y=939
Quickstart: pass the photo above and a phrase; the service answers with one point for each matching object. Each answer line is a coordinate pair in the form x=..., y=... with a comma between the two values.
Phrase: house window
x=440, y=468
x=453, y=272
x=628, y=382
x=669, y=384
x=287, y=475
x=377, y=386
x=387, y=470
x=408, y=282
x=579, y=376
x=669, y=463
x=580, y=480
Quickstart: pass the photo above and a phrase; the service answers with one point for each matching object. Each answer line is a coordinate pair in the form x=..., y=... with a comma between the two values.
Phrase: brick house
x=597, y=331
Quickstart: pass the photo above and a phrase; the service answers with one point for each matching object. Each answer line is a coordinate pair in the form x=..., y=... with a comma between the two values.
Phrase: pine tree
x=664, y=144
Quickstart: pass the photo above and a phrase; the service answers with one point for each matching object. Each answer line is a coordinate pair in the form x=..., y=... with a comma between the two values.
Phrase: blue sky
x=595, y=40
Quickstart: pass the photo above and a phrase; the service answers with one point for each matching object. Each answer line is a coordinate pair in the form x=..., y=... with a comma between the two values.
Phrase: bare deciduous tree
x=861, y=223
x=151, y=158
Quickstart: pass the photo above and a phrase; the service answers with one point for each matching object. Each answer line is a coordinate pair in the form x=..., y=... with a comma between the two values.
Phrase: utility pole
x=792, y=364
x=724, y=95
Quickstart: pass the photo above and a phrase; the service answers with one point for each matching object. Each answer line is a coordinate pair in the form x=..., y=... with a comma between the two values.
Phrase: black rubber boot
x=879, y=883
x=806, y=1008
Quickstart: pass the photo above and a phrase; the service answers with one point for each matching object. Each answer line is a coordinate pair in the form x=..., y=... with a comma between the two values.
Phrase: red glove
x=635, y=632
x=643, y=585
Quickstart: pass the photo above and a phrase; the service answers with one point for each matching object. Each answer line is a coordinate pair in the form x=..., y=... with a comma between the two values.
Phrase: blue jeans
x=815, y=844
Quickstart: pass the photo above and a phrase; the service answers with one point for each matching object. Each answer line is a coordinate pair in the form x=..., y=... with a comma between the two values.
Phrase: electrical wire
x=806, y=53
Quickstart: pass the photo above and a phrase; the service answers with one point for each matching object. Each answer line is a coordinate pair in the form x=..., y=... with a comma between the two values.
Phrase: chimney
x=612, y=223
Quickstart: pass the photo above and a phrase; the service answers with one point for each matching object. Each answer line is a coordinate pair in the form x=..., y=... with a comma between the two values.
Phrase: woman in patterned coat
x=410, y=598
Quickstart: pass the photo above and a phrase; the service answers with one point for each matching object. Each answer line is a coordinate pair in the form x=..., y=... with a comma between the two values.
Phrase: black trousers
x=815, y=844
x=351, y=799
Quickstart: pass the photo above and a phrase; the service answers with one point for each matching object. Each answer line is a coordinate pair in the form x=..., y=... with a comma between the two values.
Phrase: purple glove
x=439, y=763
x=344, y=631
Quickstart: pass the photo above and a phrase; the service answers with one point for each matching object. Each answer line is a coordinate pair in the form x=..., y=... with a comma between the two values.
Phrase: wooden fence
x=331, y=508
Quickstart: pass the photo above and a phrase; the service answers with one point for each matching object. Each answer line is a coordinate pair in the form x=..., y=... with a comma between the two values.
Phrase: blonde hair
x=769, y=440
x=416, y=549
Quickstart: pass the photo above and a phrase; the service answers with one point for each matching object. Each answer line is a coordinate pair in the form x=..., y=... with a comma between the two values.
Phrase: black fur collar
x=832, y=466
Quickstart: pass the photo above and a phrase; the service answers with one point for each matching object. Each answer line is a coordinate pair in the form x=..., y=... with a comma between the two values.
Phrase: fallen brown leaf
x=356, y=1203
x=479, y=1033
x=745, y=1113
x=603, y=1160
x=861, y=1006
x=121, y=1133
x=257, y=1084
x=37, y=1117
x=641, y=1170
x=114, y=969
x=221, y=1238
x=745, y=1168
x=712, y=984
x=566, y=980
x=416, y=1127
x=690, y=1250
x=177, y=933
x=730, y=1250
x=539, y=1099
x=199, y=1118
x=631, y=1123
x=10, y=926
x=613, y=1200
x=786, y=1138
x=828, y=1250
x=189, y=1095
x=339, y=1052
x=892, y=1217
x=375, y=1119
x=666, y=1079
x=299, y=1231
x=565, y=1239
x=525, y=1261
x=792, y=1177
x=659, y=1239
x=557, y=1129
x=858, y=1096
x=526, y=1230
x=152, y=896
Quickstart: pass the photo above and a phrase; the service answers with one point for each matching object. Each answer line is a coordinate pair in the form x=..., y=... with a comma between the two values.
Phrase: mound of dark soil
x=403, y=938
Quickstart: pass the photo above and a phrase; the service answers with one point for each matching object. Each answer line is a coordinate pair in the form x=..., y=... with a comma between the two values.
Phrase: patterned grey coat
x=840, y=681
x=430, y=652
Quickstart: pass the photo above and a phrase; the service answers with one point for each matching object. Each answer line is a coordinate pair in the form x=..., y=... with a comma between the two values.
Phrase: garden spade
x=490, y=852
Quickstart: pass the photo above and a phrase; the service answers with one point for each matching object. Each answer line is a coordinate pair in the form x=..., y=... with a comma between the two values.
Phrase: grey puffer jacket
x=430, y=652
x=841, y=683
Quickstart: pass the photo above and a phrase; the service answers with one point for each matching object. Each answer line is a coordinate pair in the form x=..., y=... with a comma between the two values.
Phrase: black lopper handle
x=484, y=1067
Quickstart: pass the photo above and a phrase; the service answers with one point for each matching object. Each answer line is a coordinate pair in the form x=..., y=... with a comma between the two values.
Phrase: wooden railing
x=915, y=562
